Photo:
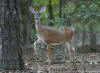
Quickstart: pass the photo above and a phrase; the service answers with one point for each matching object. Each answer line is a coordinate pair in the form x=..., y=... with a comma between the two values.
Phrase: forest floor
x=84, y=63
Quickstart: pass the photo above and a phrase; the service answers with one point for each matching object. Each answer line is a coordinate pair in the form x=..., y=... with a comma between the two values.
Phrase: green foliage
x=81, y=13
x=69, y=8
x=33, y=36
x=59, y=22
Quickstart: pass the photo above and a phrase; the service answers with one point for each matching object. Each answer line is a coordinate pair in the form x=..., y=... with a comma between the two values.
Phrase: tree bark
x=84, y=34
x=50, y=12
x=60, y=8
x=69, y=20
x=27, y=27
x=2, y=8
x=92, y=38
x=11, y=52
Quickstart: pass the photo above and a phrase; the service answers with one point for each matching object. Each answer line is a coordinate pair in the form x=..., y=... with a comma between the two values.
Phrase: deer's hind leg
x=72, y=51
x=73, y=55
x=69, y=50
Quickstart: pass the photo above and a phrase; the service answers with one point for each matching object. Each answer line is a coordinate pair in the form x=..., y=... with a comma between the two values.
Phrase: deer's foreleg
x=35, y=52
x=48, y=47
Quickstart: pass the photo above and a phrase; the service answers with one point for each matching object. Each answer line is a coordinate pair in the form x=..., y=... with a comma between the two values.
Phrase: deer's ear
x=31, y=10
x=42, y=9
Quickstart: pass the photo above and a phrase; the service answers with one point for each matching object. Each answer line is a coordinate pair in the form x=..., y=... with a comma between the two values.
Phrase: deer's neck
x=37, y=26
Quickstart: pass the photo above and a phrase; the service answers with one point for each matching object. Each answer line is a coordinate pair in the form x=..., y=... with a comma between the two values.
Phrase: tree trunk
x=50, y=12
x=11, y=51
x=28, y=34
x=2, y=8
x=26, y=22
x=60, y=8
x=92, y=38
x=84, y=34
x=69, y=20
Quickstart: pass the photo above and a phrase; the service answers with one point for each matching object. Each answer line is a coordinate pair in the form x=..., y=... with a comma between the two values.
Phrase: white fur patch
x=73, y=48
x=67, y=45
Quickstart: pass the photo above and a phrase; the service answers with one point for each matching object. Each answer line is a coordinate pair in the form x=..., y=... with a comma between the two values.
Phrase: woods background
x=17, y=26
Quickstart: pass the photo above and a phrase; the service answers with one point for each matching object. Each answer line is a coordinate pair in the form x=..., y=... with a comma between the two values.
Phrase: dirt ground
x=84, y=63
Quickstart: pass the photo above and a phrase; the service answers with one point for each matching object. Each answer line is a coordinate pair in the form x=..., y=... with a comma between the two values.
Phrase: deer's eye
x=39, y=13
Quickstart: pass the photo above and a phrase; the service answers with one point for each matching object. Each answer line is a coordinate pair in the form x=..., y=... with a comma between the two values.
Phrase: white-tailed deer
x=49, y=35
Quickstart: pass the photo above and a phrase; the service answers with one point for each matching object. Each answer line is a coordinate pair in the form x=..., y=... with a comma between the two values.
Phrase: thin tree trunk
x=69, y=20
x=92, y=38
x=50, y=12
x=83, y=40
x=60, y=8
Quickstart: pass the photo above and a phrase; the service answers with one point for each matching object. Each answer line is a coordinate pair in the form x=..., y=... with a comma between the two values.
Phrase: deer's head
x=37, y=13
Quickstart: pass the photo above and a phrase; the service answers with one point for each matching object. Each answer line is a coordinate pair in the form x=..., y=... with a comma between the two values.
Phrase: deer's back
x=51, y=35
x=69, y=32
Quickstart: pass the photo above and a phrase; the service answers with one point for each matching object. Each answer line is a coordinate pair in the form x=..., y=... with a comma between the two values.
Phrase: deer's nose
x=37, y=18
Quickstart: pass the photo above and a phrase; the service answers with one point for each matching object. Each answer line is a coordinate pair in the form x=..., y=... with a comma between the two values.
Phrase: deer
x=51, y=36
